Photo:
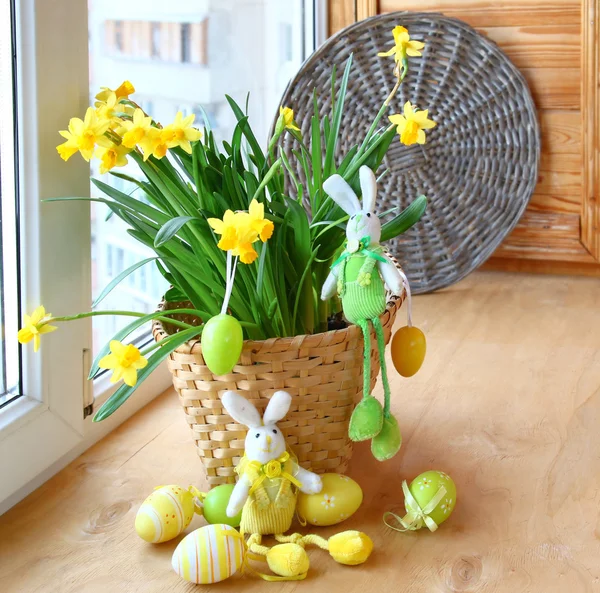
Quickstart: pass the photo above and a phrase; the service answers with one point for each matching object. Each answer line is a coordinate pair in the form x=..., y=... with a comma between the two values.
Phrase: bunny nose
x=269, y=440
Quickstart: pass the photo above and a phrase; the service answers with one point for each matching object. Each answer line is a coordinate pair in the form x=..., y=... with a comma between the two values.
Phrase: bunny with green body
x=360, y=276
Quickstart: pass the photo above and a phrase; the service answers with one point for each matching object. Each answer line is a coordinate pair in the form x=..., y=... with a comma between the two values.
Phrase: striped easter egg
x=165, y=514
x=208, y=555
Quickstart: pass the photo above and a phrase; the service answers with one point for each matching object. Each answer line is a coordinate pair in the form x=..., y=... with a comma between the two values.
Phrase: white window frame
x=44, y=429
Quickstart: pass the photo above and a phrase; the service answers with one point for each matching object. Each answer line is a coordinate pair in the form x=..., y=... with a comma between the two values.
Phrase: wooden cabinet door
x=555, y=44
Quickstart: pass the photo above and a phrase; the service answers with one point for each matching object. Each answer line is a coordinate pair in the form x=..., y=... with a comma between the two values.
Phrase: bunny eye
x=257, y=435
x=369, y=214
x=274, y=431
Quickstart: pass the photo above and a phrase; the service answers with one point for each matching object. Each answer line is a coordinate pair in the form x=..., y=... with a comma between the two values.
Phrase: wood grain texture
x=341, y=13
x=560, y=174
x=501, y=13
x=539, y=266
x=561, y=131
x=507, y=403
x=365, y=9
x=546, y=235
x=540, y=46
x=590, y=120
x=554, y=89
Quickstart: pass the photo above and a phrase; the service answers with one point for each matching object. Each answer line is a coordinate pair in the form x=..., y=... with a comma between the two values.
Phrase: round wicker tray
x=479, y=165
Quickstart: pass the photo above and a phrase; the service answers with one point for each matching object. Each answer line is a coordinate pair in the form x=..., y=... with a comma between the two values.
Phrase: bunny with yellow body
x=266, y=493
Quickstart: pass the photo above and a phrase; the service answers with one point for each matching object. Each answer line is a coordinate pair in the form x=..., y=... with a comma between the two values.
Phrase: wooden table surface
x=507, y=402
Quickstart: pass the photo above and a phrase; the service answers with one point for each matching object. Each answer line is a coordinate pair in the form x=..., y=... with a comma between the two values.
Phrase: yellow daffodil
x=35, y=325
x=288, y=118
x=112, y=156
x=246, y=235
x=403, y=45
x=259, y=223
x=122, y=92
x=227, y=228
x=137, y=129
x=239, y=230
x=181, y=132
x=83, y=135
x=154, y=144
x=124, y=361
x=410, y=126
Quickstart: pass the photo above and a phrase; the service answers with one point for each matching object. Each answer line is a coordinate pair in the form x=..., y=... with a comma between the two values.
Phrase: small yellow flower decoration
x=258, y=222
x=227, y=228
x=83, y=135
x=124, y=361
x=288, y=119
x=403, y=45
x=35, y=325
x=412, y=124
x=181, y=132
x=272, y=469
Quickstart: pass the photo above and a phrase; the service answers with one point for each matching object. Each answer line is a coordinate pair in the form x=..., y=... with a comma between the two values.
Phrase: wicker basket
x=322, y=372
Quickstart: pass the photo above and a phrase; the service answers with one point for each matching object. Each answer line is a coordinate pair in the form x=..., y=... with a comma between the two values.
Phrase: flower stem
x=124, y=313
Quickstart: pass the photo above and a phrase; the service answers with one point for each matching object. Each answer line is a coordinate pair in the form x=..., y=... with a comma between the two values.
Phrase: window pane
x=9, y=293
x=184, y=55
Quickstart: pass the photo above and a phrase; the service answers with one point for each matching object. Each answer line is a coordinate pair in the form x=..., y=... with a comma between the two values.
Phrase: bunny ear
x=240, y=409
x=277, y=408
x=368, y=186
x=342, y=194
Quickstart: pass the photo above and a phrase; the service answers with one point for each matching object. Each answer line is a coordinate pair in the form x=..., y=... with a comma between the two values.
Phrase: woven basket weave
x=322, y=372
x=479, y=165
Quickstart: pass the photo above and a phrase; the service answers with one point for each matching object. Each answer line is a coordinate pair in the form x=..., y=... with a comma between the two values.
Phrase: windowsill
x=17, y=413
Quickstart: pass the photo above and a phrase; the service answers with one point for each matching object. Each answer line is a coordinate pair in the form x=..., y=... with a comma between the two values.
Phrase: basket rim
x=394, y=302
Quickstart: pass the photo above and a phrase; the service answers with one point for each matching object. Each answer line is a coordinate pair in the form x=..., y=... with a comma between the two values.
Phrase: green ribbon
x=363, y=244
x=416, y=516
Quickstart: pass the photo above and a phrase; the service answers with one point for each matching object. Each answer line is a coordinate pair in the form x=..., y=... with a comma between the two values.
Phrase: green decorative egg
x=425, y=487
x=222, y=340
x=339, y=498
x=215, y=505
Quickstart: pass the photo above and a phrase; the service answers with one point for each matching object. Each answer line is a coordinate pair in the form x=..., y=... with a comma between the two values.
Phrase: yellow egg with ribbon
x=166, y=513
x=429, y=501
x=208, y=555
x=339, y=498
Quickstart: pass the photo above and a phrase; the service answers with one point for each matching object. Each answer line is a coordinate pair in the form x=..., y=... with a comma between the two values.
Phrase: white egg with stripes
x=165, y=514
x=208, y=555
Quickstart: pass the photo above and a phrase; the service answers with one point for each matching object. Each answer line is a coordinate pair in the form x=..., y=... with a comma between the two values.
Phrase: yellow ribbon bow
x=416, y=516
x=272, y=469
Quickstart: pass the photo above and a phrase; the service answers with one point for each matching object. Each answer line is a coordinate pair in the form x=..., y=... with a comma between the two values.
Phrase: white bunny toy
x=266, y=492
x=360, y=276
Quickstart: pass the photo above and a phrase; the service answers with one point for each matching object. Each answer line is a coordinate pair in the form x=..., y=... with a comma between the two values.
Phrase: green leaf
x=124, y=392
x=115, y=281
x=170, y=229
x=407, y=218
x=175, y=295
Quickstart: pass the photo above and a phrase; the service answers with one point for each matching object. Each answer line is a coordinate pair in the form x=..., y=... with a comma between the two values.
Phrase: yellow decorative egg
x=209, y=554
x=165, y=514
x=339, y=499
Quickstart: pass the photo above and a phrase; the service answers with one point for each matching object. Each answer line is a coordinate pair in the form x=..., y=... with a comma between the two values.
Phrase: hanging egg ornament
x=339, y=498
x=208, y=555
x=408, y=350
x=425, y=488
x=165, y=514
x=222, y=340
x=215, y=503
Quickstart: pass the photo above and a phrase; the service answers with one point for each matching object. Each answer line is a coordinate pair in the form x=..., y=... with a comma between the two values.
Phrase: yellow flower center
x=272, y=469
x=129, y=356
x=109, y=159
x=410, y=133
x=87, y=140
x=160, y=151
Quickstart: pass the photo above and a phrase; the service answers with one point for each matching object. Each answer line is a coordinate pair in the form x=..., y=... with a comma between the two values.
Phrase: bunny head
x=264, y=440
x=363, y=221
